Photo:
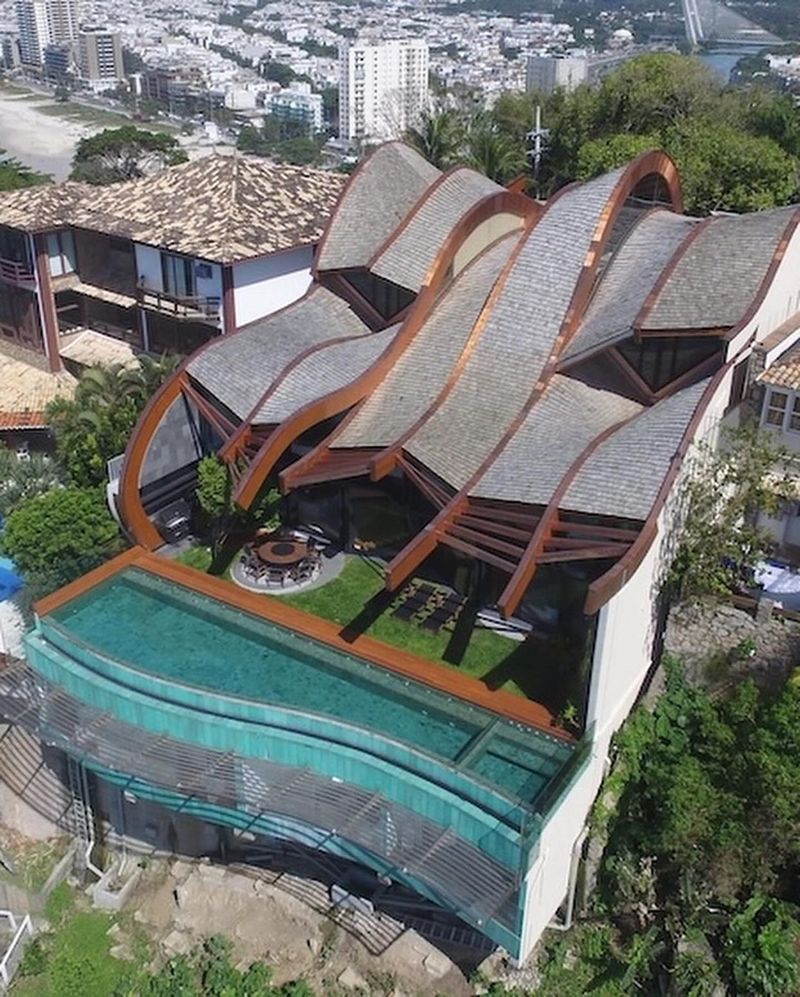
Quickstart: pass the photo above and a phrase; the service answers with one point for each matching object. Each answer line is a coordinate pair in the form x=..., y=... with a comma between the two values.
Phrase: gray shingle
x=623, y=476
x=555, y=433
x=238, y=369
x=629, y=279
x=408, y=258
x=518, y=339
x=416, y=379
x=327, y=369
x=717, y=279
x=374, y=203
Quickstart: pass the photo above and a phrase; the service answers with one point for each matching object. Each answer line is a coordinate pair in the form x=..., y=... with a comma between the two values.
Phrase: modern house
x=507, y=396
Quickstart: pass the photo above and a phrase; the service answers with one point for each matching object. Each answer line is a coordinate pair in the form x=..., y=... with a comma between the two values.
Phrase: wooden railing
x=17, y=273
x=170, y=304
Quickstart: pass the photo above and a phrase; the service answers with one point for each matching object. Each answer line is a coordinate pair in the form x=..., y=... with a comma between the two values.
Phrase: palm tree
x=23, y=479
x=493, y=153
x=438, y=137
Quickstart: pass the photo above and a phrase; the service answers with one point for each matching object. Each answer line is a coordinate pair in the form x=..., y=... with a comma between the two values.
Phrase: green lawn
x=74, y=958
x=85, y=114
x=358, y=602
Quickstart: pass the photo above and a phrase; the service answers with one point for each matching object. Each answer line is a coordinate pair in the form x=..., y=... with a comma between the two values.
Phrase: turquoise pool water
x=164, y=629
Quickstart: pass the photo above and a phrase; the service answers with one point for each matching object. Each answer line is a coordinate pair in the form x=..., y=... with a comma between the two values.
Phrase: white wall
x=626, y=630
x=262, y=286
x=148, y=267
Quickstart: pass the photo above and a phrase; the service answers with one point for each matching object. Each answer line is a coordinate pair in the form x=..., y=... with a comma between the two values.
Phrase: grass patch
x=74, y=958
x=196, y=557
x=83, y=114
x=34, y=862
x=357, y=598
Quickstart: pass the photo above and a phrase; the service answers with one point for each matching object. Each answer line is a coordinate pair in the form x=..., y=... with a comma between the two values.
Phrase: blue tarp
x=9, y=583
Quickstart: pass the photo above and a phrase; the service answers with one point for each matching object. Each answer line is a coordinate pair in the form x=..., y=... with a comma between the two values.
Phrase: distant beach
x=43, y=141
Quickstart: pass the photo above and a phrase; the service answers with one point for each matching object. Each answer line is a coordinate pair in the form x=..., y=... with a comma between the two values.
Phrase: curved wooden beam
x=131, y=510
x=603, y=588
x=512, y=594
x=339, y=401
x=647, y=164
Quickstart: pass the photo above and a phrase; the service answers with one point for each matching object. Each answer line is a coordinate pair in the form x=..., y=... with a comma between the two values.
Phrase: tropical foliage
x=126, y=153
x=95, y=425
x=57, y=536
x=722, y=539
x=736, y=148
x=214, y=494
x=14, y=174
x=24, y=479
x=696, y=890
x=208, y=971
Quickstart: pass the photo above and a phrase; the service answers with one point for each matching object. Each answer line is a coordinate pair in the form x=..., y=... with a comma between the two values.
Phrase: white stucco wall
x=262, y=286
x=626, y=630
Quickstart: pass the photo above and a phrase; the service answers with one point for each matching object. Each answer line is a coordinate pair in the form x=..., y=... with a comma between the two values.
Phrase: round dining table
x=283, y=553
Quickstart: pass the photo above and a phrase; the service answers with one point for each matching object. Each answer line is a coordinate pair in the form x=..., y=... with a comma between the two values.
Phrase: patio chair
x=276, y=577
x=446, y=612
x=415, y=603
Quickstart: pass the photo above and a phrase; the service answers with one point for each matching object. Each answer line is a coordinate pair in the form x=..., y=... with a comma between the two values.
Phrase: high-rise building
x=557, y=72
x=11, y=54
x=62, y=19
x=34, y=31
x=100, y=58
x=383, y=87
x=298, y=106
x=42, y=23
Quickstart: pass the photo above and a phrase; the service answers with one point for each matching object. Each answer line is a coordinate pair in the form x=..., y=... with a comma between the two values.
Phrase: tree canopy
x=125, y=153
x=96, y=423
x=55, y=537
x=14, y=174
x=23, y=479
x=737, y=148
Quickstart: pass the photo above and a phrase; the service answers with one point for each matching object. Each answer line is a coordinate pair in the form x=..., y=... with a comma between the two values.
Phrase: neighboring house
x=776, y=397
x=515, y=389
x=164, y=263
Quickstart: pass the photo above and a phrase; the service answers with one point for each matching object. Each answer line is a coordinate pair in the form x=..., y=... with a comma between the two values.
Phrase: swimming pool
x=161, y=628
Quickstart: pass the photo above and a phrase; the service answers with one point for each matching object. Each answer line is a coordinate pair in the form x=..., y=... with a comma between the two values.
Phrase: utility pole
x=538, y=139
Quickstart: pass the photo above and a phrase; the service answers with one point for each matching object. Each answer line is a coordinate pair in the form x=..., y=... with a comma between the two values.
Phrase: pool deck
x=374, y=651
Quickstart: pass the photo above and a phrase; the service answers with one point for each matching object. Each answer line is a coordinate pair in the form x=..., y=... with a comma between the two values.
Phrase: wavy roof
x=409, y=255
x=716, y=278
x=377, y=199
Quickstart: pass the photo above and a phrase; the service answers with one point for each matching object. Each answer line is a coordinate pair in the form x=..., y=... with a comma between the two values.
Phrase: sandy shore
x=41, y=141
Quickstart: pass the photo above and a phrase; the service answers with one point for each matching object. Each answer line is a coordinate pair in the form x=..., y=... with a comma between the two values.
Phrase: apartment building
x=546, y=73
x=100, y=58
x=298, y=106
x=383, y=88
x=42, y=23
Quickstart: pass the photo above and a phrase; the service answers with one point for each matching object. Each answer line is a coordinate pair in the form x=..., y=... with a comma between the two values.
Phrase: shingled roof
x=220, y=208
x=49, y=206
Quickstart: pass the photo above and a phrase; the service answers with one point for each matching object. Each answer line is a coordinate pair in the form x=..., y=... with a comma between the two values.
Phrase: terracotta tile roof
x=785, y=372
x=221, y=208
x=26, y=391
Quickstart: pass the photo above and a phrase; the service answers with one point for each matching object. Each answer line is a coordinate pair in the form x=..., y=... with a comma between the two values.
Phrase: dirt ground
x=287, y=924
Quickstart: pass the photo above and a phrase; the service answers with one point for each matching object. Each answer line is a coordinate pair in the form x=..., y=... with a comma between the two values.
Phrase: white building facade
x=42, y=23
x=383, y=88
x=556, y=72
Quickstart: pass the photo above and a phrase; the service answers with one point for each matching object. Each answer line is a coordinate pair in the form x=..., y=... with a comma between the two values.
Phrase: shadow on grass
x=373, y=609
x=462, y=634
x=545, y=670
x=223, y=559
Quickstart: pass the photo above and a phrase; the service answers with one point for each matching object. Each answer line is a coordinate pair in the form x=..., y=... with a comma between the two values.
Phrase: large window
x=777, y=403
x=660, y=361
x=178, y=275
x=386, y=298
x=61, y=252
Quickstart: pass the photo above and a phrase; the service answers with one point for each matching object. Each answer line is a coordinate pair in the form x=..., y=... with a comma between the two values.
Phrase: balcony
x=197, y=307
x=19, y=274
